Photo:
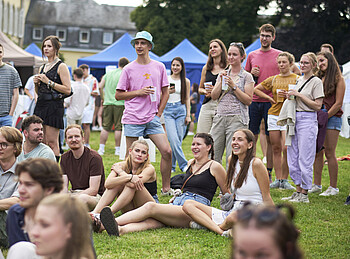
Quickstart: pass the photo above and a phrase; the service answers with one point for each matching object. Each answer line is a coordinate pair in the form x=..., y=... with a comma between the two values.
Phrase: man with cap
x=143, y=85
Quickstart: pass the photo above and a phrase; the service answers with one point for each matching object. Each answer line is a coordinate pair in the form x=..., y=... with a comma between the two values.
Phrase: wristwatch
x=234, y=87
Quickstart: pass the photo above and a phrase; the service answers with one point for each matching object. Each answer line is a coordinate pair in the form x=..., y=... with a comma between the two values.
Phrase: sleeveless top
x=151, y=187
x=175, y=97
x=52, y=75
x=329, y=101
x=209, y=77
x=250, y=189
x=203, y=184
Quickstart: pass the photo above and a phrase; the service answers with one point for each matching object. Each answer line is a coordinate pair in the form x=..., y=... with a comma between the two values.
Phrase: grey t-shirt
x=41, y=150
x=312, y=90
x=9, y=79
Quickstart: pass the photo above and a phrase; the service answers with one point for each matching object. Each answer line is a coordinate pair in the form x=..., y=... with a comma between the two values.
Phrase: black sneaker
x=347, y=202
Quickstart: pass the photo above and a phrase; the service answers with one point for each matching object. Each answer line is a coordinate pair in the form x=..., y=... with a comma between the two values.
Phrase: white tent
x=345, y=129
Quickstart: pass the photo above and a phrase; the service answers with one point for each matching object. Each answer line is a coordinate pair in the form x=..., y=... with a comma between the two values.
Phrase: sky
x=270, y=10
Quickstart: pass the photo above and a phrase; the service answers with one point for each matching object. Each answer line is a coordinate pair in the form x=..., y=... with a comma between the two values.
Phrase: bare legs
x=51, y=138
x=202, y=214
x=277, y=139
x=330, y=145
x=152, y=215
x=86, y=128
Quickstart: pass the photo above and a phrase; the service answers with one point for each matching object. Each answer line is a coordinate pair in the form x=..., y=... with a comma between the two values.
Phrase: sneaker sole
x=108, y=221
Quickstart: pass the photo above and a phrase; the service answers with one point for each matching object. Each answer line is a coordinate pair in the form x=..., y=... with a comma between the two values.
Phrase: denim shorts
x=334, y=123
x=180, y=200
x=155, y=197
x=143, y=130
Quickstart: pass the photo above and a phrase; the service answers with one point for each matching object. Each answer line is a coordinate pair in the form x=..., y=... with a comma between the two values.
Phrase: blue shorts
x=155, y=197
x=143, y=130
x=334, y=123
x=257, y=112
x=180, y=200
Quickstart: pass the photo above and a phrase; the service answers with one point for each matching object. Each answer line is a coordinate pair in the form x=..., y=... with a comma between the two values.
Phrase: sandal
x=96, y=225
x=108, y=221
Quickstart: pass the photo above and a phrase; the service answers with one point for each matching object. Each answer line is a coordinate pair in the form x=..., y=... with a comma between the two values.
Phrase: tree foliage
x=170, y=21
x=305, y=25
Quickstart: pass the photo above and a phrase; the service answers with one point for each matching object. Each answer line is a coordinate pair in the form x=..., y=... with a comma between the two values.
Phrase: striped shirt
x=9, y=79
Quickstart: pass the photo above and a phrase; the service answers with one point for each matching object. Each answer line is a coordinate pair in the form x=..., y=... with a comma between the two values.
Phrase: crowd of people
x=270, y=92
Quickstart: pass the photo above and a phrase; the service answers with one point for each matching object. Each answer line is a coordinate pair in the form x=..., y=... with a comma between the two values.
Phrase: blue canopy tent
x=33, y=49
x=193, y=58
x=111, y=55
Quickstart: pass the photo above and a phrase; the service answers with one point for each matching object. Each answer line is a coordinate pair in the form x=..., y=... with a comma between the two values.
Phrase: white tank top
x=250, y=190
x=175, y=97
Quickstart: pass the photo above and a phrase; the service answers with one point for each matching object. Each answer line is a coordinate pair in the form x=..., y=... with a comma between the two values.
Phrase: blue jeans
x=174, y=116
x=6, y=121
x=180, y=200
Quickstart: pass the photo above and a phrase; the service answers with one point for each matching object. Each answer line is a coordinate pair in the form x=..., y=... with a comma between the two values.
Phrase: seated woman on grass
x=247, y=179
x=133, y=181
x=200, y=184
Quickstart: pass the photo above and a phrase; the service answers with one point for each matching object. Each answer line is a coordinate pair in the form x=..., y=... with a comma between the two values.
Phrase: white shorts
x=87, y=116
x=219, y=216
x=272, y=123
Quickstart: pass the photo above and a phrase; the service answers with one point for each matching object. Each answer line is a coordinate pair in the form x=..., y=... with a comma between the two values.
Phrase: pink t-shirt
x=141, y=109
x=267, y=61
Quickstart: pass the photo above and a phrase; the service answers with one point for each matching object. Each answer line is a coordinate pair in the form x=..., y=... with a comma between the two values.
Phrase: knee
x=149, y=206
x=84, y=197
x=277, y=149
x=188, y=205
x=166, y=153
x=231, y=218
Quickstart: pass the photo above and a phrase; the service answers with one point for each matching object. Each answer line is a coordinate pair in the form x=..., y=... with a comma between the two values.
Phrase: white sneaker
x=95, y=128
x=190, y=133
x=100, y=152
x=330, y=191
x=294, y=196
x=264, y=160
x=301, y=198
x=195, y=225
x=315, y=188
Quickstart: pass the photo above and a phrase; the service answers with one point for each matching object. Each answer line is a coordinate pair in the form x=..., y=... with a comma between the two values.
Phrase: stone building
x=84, y=27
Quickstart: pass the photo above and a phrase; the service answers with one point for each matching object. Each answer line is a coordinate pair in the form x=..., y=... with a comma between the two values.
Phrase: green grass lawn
x=324, y=223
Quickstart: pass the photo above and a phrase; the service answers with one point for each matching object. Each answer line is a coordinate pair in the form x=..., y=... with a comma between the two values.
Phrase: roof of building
x=79, y=13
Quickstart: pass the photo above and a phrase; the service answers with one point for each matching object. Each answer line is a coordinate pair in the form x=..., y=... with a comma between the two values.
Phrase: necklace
x=49, y=65
x=201, y=166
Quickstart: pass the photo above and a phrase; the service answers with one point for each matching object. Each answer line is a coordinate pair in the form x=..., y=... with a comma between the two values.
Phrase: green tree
x=170, y=21
x=305, y=25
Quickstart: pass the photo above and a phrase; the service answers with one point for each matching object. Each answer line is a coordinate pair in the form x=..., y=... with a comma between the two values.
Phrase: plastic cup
x=279, y=99
x=224, y=83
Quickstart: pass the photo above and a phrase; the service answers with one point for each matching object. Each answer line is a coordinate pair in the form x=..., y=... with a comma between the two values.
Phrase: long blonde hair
x=73, y=212
x=128, y=166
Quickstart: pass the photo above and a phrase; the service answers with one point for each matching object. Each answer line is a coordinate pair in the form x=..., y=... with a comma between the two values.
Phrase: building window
x=61, y=34
x=107, y=37
x=37, y=33
x=84, y=36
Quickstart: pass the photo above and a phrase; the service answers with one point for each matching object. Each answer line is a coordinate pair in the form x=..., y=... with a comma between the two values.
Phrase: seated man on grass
x=83, y=168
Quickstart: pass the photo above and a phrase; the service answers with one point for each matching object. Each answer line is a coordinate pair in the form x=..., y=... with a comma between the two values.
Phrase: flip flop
x=108, y=221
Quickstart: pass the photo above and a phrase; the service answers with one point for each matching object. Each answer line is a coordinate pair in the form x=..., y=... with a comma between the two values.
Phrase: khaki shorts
x=97, y=197
x=112, y=115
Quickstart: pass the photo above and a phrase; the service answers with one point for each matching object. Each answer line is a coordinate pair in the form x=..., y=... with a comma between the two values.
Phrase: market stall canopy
x=15, y=54
x=33, y=49
x=110, y=55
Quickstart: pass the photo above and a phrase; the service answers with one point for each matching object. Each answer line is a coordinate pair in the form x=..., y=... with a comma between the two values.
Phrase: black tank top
x=209, y=77
x=52, y=75
x=203, y=184
x=151, y=187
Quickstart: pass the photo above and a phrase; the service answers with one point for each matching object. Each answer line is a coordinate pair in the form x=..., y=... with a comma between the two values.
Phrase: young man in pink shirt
x=262, y=63
x=143, y=85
